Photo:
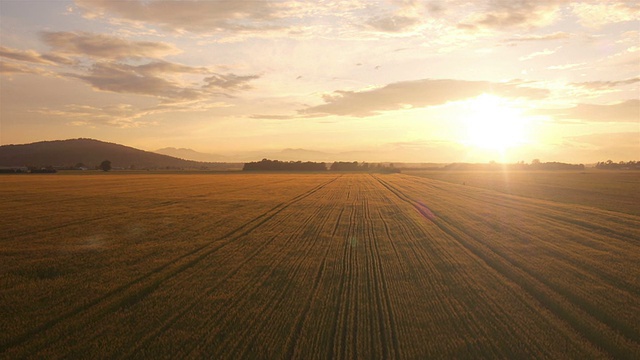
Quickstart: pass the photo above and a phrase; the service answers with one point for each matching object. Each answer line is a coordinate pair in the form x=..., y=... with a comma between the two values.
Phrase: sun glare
x=493, y=124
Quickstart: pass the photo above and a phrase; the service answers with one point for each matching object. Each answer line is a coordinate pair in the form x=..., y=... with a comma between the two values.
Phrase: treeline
x=555, y=166
x=364, y=167
x=535, y=165
x=276, y=165
x=610, y=165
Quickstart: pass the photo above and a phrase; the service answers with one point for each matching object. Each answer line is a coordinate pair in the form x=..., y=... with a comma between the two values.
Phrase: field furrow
x=311, y=266
x=138, y=288
x=616, y=334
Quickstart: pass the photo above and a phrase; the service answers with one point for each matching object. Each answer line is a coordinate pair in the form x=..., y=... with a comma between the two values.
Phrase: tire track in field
x=172, y=318
x=583, y=265
x=156, y=205
x=386, y=314
x=541, y=208
x=272, y=307
x=339, y=333
x=576, y=233
x=238, y=346
x=580, y=320
x=372, y=292
x=135, y=290
x=388, y=321
x=423, y=260
x=569, y=293
x=346, y=287
x=293, y=347
x=564, y=307
x=242, y=294
x=268, y=318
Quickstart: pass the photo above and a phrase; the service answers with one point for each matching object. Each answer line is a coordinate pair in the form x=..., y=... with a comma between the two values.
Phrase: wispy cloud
x=112, y=67
x=566, y=66
x=536, y=54
x=195, y=16
x=12, y=68
x=122, y=78
x=231, y=82
x=626, y=111
x=393, y=23
x=22, y=55
x=597, y=85
x=631, y=140
x=34, y=57
x=272, y=117
x=151, y=79
x=105, y=46
x=415, y=94
x=546, y=37
x=121, y=115
x=598, y=14
x=501, y=15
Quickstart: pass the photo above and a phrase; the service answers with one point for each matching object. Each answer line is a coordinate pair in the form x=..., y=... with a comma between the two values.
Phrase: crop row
x=321, y=266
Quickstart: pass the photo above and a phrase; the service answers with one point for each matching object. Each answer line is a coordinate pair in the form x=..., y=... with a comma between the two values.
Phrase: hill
x=90, y=153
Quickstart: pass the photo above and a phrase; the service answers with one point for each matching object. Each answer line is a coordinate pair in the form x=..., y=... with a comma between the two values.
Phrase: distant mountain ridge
x=190, y=154
x=90, y=152
x=288, y=154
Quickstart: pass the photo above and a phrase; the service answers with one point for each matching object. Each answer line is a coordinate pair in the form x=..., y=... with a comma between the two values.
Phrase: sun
x=493, y=124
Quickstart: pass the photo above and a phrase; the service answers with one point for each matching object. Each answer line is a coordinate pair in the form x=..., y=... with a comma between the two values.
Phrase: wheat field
x=311, y=266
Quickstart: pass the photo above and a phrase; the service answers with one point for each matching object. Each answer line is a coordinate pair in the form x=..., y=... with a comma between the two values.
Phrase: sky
x=408, y=81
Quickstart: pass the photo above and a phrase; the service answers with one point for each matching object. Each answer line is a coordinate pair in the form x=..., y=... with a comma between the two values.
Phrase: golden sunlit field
x=327, y=266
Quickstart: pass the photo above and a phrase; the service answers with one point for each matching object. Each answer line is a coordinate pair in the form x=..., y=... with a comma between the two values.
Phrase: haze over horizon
x=413, y=81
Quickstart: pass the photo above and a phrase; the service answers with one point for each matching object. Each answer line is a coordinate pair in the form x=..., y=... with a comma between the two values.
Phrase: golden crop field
x=312, y=266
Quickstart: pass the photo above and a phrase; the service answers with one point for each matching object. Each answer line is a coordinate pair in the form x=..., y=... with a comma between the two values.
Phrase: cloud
x=12, y=68
x=393, y=24
x=544, y=52
x=33, y=56
x=595, y=15
x=121, y=115
x=22, y=55
x=598, y=85
x=105, y=46
x=506, y=14
x=547, y=37
x=566, y=66
x=194, y=16
x=626, y=111
x=603, y=146
x=230, y=81
x=157, y=67
x=116, y=65
x=272, y=117
x=629, y=140
x=414, y=94
x=123, y=78
x=152, y=79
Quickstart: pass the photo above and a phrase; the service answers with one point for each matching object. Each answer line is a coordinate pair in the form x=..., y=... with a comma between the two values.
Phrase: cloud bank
x=415, y=94
x=626, y=111
x=105, y=46
x=194, y=16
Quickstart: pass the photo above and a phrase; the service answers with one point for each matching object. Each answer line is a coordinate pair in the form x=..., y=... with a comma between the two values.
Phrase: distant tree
x=105, y=165
x=276, y=165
